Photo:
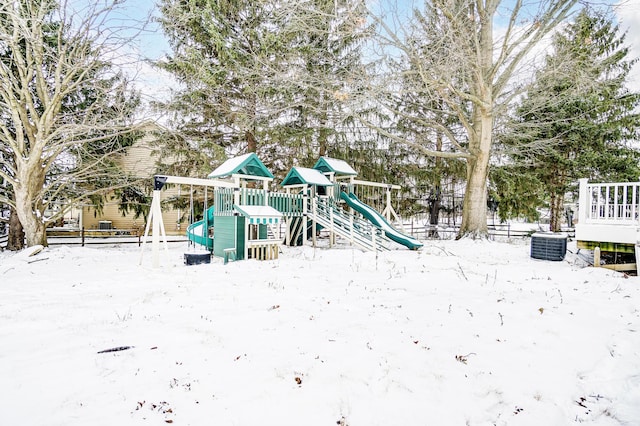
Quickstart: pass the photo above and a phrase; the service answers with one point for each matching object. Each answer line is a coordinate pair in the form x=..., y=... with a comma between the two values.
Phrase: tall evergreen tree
x=225, y=56
x=577, y=120
x=329, y=46
x=257, y=77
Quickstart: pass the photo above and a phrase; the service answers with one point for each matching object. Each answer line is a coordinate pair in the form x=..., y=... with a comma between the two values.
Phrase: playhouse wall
x=229, y=233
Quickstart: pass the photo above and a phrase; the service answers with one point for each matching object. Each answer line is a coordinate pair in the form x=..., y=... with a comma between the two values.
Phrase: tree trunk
x=436, y=197
x=434, y=210
x=556, y=201
x=322, y=143
x=29, y=209
x=555, y=212
x=474, y=210
x=16, y=232
x=323, y=133
x=252, y=144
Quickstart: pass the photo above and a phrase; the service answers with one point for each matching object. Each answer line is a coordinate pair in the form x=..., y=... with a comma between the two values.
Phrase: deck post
x=583, y=202
x=634, y=212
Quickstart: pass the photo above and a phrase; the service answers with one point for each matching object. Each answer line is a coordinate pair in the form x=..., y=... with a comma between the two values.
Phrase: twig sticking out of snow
x=463, y=358
x=8, y=269
x=444, y=251
x=463, y=274
x=116, y=349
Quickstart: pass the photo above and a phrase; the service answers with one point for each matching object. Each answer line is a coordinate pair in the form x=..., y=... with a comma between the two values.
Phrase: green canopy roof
x=333, y=165
x=247, y=164
x=303, y=175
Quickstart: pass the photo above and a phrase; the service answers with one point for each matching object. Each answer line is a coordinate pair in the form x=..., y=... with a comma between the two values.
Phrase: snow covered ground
x=459, y=333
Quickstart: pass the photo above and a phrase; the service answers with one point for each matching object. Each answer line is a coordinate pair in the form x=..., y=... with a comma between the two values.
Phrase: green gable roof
x=333, y=165
x=247, y=164
x=302, y=175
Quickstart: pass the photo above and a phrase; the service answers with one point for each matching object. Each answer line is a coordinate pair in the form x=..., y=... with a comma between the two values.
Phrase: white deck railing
x=609, y=203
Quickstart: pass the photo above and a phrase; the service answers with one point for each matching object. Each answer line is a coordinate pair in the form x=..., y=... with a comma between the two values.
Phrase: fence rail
x=447, y=232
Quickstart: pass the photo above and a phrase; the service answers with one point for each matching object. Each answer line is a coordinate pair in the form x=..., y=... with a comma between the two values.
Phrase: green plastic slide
x=373, y=216
x=198, y=232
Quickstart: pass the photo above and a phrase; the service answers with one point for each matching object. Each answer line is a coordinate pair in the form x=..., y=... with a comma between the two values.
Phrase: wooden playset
x=245, y=219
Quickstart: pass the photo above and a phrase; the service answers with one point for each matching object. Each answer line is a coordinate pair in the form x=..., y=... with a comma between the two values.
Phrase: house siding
x=175, y=220
x=140, y=161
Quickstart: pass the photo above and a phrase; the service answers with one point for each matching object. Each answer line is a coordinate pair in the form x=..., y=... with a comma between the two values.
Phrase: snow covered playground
x=244, y=220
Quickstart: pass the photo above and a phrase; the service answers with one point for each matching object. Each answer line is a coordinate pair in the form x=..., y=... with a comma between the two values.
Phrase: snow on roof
x=312, y=176
x=302, y=175
x=258, y=211
x=229, y=167
x=336, y=165
x=248, y=164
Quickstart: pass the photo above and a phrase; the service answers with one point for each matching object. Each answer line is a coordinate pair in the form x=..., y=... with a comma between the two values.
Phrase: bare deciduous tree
x=464, y=56
x=64, y=110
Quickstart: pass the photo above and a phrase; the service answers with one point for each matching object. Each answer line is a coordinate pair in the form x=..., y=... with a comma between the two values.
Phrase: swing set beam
x=376, y=184
x=161, y=180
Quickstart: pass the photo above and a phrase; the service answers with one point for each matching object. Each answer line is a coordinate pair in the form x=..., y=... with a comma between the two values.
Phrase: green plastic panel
x=229, y=233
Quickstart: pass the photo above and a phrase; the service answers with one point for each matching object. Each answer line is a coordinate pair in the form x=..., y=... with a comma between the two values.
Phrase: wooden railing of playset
x=288, y=204
x=609, y=202
x=252, y=197
x=263, y=249
x=223, y=200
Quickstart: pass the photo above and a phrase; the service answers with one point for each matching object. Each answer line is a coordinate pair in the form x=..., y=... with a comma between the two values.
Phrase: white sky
x=152, y=45
x=628, y=12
